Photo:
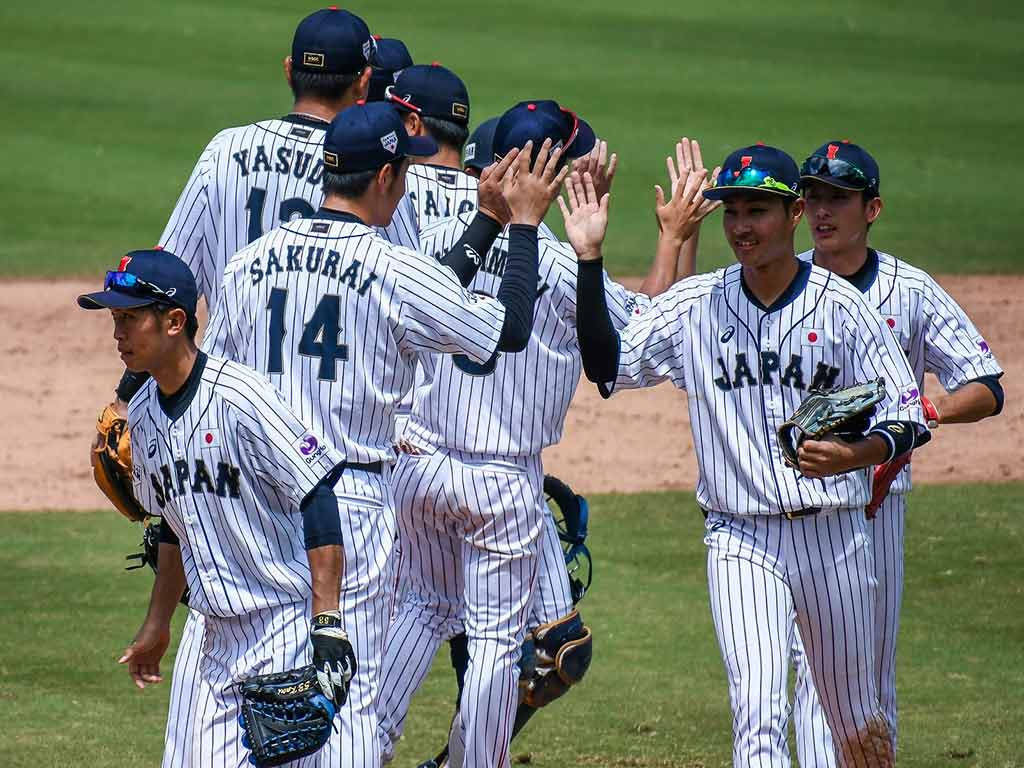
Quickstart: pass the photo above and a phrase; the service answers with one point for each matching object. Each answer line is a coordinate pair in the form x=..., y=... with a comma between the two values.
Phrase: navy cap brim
x=832, y=182
x=113, y=300
x=585, y=140
x=720, y=193
x=421, y=146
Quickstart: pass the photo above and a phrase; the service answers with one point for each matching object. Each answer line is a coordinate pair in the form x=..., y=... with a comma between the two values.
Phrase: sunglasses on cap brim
x=752, y=178
x=389, y=95
x=836, y=172
x=126, y=281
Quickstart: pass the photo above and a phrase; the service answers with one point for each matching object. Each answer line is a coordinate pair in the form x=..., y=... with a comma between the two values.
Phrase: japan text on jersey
x=335, y=314
x=746, y=368
x=227, y=466
x=934, y=332
x=248, y=181
x=514, y=405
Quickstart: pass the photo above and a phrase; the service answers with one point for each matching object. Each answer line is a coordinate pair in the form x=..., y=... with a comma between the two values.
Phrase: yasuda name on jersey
x=286, y=160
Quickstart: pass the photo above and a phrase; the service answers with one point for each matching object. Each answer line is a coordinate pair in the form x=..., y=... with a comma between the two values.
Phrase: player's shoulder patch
x=309, y=447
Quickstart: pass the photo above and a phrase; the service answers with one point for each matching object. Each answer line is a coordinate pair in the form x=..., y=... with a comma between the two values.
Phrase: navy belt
x=798, y=513
x=376, y=467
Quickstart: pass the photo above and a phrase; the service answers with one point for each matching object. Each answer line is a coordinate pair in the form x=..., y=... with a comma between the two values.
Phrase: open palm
x=585, y=215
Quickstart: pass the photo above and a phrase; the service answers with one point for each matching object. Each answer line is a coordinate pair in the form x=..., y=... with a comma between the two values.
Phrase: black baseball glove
x=333, y=658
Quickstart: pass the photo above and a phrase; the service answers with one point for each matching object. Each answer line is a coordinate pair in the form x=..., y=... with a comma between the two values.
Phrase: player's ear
x=177, y=320
x=873, y=210
x=413, y=124
x=288, y=70
x=363, y=84
x=796, y=212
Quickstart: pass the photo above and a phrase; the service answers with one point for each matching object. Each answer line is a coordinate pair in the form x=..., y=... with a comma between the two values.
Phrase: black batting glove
x=333, y=658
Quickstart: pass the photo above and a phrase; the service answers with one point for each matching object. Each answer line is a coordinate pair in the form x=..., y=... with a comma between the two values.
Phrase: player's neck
x=360, y=207
x=769, y=281
x=318, y=109
x=842, y=261
x=446, y=158
x=173, y=372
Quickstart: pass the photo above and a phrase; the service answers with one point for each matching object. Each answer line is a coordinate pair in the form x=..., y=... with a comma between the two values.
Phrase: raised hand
x=599, y=166
x=528, y=191
x=490, y=200
x=689, y=158
x=680, y=217
x=585, y=215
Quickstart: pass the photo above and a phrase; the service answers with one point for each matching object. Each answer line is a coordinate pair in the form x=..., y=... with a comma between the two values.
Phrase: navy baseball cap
x=539, y=120
x=391, y=58
x=758, y=168
x=332, y=42
x=842, y=165
x=431, y=91
x=479, y=150
x=365, y=137
x=144, y=278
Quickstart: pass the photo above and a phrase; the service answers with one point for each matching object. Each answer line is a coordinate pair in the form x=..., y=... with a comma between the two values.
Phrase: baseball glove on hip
x=845, y=412
x=285, y=716
x=112, y=463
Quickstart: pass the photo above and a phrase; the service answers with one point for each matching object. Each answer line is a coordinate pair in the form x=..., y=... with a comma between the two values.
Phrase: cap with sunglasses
x=758, y=168
x=144, y=278
x=332, y=42
x=431, y=91
x=539, y=120
x=479, y=150
x=844, y=165
x=365, y=137
x=391, y=58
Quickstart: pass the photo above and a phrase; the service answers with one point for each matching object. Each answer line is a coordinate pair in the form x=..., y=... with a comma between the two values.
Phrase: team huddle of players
x=394, y=338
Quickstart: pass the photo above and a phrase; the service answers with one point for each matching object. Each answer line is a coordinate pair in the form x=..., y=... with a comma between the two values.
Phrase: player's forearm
x=599, y=342
x=325, y=567
x=686, y=265
x=972, y=402
x=662, y=273
x=518, y=291
x=465, y=255
x=168, y=586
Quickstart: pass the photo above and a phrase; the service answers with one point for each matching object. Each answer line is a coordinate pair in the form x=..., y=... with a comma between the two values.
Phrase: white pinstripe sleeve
x=284, y=452
x=227, y=331
x=954, y=350
x=435, y=313
x=437, y=238
x=877, y=352
x=653, y=347
x=191, y=233
x=403, y=229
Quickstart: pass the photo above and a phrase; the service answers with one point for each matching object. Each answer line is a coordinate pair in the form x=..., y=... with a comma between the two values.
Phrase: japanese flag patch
x=812, y=337
x=209, y=438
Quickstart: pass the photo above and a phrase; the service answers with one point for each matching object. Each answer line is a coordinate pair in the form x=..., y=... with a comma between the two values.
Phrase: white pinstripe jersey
x=336, y=315
x=439, y=193
x=935, y=333
x=516, y=404
x=746, y=370
x=227, y=470
x=247, y=181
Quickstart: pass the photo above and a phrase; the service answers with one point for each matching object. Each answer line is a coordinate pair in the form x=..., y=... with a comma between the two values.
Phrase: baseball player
x=390, y=58
x=240, y=482
x=472, y=520
x=747, y=342
x=841, y=187
x=336, y=316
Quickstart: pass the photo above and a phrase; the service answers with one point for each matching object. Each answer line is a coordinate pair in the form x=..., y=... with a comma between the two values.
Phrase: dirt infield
x=60, y=368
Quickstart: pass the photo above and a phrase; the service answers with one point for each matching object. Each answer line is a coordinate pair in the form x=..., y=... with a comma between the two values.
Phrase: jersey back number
x=319, y=335
x=291, y=208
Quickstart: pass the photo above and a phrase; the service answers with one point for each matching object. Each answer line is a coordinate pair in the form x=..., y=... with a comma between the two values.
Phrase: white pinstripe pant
x=469, y=529
x=813, y=738
x=763, y=571
x=184, y=690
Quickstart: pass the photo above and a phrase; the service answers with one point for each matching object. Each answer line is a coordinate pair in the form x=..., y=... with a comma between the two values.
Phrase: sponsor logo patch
x=368, y=48
x=983, y=347
x=310, y=448
x=302, y=133
x=460, y=110
x=151, y=449
x=332, y=159
x=470, y=151
x=471, y=254
x=310, y=59
x=320, y=228
x=390, y=142
x=910, y=395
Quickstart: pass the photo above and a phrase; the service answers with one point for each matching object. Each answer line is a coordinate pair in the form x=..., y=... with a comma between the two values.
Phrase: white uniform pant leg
x=430, y=611
x=887, y=531
x=814, y=746
x=832, y=574
x=751, y=606
x=184, y=689
x=552, y=599
x=271, y=640
x=368, y=530
x=503, y=521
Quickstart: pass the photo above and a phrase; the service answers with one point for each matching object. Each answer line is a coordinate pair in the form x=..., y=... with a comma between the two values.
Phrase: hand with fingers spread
x=600, y=167
x=688, y=158
x=144, y=654
x=528, y=191
x=585, y=215
x=679, y=218
x=490, y=200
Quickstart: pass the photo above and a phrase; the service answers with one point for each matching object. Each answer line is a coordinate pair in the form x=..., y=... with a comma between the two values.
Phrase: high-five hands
x=528, y=191
x=585, y=215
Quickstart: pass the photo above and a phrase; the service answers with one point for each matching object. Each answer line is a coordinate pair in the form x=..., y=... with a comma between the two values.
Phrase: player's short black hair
x=354, y=184
x=321, y=86
x=191, y=321
x=446, y=132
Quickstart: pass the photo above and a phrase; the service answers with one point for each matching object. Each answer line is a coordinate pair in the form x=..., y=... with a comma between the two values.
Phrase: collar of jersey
x=306, y=120
x=175, y=405
x=333, y=215
x=796, y=287
x=864, y=277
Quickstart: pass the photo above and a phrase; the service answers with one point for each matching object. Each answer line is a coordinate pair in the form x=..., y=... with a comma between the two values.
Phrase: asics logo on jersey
x=727, y=334
x=151, y=449
x=287, y=160
x=792, y=376
x=196, y=479
x=312, y=259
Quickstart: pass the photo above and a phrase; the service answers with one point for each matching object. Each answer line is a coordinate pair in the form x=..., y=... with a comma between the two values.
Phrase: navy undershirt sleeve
x=131, y=382
x=599, y=342
x=518, y=291
x=992, y=382
x=321, y=521
x=465, y=256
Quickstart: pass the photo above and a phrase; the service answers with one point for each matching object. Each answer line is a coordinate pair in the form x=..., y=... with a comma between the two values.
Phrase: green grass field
x=108, y=104
x=655, y=696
